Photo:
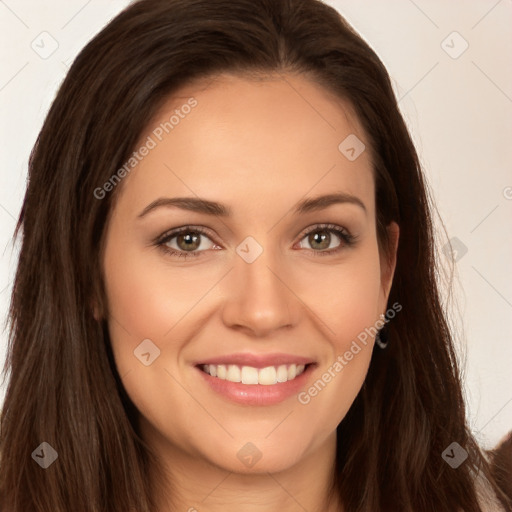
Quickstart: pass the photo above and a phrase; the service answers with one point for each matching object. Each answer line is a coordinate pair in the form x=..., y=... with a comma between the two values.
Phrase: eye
x=192, y=241
x=185, y=242
x=322, y=242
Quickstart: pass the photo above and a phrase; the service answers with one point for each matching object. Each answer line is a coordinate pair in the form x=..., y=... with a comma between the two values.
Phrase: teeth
x=233, y=374
x=282, y=373
x=221, y=371
x=267, y=376
x=249, y=375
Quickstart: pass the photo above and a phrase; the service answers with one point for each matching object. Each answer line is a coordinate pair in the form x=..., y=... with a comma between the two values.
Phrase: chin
x=259, y=456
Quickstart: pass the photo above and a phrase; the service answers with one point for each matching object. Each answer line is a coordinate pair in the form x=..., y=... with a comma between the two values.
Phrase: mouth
x=250, y=375
x=256, y=379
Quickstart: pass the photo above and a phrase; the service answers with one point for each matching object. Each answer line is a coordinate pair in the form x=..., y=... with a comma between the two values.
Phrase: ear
x=95, y=310
x=388, y=262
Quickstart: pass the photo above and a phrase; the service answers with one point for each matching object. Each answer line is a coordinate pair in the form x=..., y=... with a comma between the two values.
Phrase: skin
x=259, y=147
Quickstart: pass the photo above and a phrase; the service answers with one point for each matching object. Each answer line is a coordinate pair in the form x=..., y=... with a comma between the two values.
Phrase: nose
x=259, y=299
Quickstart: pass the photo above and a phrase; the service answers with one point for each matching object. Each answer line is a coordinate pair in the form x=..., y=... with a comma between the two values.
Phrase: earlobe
x=95, y=310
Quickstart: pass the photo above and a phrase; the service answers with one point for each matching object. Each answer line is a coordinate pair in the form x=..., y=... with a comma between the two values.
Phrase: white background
x=459, y=111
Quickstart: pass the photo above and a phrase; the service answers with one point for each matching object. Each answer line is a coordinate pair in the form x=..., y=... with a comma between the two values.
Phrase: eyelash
x=347, y=239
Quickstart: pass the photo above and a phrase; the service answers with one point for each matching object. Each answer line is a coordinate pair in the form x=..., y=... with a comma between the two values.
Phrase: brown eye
x=185, y=242
x=189, y=241
x=320, y=239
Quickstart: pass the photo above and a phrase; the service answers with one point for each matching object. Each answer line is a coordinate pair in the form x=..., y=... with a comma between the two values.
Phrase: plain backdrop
x=450, y=63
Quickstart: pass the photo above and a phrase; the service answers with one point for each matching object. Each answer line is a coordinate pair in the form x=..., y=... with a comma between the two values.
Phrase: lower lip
x=257, y=394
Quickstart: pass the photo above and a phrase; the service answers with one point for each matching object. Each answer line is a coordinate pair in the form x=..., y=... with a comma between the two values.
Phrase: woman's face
x=266, y=292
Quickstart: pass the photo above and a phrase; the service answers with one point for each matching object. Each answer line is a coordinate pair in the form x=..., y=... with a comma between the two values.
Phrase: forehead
x=245, y=140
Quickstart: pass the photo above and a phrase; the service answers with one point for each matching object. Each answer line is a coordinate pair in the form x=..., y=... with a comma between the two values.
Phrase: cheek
x=345, y=297
x=147, y=300
x=138, y=308
x=346, y=302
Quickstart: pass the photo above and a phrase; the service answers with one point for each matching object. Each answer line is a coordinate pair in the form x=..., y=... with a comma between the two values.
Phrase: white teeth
x=221, y=371
x=282, y=373
x=249, y=375
x=267, y=376
x=233, y=374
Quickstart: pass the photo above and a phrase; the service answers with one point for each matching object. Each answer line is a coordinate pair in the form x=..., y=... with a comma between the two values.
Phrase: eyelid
x=322, y=225
x=171, y=233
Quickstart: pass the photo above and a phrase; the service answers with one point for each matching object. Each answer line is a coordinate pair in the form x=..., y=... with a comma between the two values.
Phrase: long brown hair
x=64, y=388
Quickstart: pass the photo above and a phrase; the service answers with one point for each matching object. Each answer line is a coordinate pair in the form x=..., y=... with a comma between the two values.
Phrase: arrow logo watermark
x=455, y=249
x=249, y=249
x=45, y=455
x=147, y=352
x=454, y=455
x=249, y=455
x=351, y=147
x=45, y=45
x=454, y=45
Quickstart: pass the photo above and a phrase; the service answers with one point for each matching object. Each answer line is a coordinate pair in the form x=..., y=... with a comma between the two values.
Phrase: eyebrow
x=207, y=207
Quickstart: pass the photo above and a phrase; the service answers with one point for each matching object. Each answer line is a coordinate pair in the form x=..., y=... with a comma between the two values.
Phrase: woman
x=176, y=343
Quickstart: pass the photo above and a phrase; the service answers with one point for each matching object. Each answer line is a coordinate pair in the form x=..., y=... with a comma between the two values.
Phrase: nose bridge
x=258, y=298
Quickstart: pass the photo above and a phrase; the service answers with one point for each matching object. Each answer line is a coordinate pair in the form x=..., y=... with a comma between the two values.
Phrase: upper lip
x=257, y=360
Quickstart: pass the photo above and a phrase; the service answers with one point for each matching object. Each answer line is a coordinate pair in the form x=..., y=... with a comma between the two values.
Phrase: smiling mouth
x=250, y=375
